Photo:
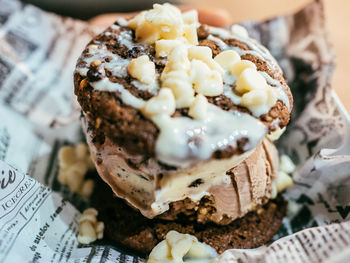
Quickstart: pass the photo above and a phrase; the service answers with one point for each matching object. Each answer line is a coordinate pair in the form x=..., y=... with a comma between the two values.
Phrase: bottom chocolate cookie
x=130, y=229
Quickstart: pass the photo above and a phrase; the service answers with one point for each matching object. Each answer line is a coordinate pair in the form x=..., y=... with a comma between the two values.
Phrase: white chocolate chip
x=100, y=226
x=199, y=70
x=204, y=54
x=179, y=245
x=212, y=64
x=239, y=31
x=75, y=175
x=249, y=80
x=89, y=228
x=175, y=76
x=87, y=233
x=227, y=58
x=271, y=97
x=197, y=250
x=259, y=101
x=286, y=164
x=81, y=151
x=163, y=103
x=164, y=47
x=198, y=108
x=200, y=53
x=180, y=248
x=181, y=88
x=89, y=216
x=142, y=69
x=190, y=17
x=254, y=98
x=165, y=22
x=91, y=211
x=190, y=34
x=66, y=156
x=61, y=176
x=146, y=33
x=137, y=20
x=87, y=188
x=206, y=81
x=274, y=191
x=282, y=181
x=292, y=208
x=167, y=19
x=237, y=68
x=275, y=135
x=74, y=162
x=178, y=59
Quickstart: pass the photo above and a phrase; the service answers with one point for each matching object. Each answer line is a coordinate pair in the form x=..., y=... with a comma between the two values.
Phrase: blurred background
x=337, y=15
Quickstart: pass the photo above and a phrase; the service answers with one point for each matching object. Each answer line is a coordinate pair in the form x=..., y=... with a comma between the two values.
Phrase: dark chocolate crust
x=125, y=125
x=128, y=228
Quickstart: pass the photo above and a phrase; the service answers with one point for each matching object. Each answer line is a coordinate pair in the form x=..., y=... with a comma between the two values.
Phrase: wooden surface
x=338, y=21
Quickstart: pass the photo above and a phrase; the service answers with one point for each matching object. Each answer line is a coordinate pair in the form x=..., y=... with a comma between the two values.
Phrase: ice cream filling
x=150, y=188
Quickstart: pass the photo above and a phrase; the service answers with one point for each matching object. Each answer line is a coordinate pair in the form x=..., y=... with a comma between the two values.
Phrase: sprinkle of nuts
x=98, y=122
x=83, y=83
x=95, y=63
x=92, y=47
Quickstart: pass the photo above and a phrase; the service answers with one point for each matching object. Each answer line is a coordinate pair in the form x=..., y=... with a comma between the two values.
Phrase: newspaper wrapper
x=39, y=114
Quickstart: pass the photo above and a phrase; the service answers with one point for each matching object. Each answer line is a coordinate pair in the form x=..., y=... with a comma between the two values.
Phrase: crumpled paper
x=39, y=114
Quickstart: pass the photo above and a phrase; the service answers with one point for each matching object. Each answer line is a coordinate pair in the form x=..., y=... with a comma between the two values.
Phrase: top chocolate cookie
x=162, y=85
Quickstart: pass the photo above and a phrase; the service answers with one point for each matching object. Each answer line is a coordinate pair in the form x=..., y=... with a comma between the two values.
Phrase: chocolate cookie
x=128, y=228
x=125, y=125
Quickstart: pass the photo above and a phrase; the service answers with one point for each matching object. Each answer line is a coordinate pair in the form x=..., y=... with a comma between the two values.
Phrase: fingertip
x=215, y=17
x=212, y=16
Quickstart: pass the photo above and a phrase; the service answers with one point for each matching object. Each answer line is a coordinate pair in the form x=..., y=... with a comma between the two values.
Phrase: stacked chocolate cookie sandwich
x=179, y=118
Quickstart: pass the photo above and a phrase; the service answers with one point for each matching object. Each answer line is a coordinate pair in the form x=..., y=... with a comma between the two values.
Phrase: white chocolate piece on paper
x=89, y=228
x=180, y=248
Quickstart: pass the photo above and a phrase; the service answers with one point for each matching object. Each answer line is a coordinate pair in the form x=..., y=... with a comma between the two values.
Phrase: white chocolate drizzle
x=116, y=65
x=183, y=140
x=106, y=85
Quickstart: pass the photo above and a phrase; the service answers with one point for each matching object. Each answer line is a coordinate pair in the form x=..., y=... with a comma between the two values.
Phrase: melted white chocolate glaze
x=183, y=141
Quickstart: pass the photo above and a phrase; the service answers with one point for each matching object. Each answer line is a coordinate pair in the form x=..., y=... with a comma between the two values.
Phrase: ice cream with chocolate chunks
x=177, y=114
